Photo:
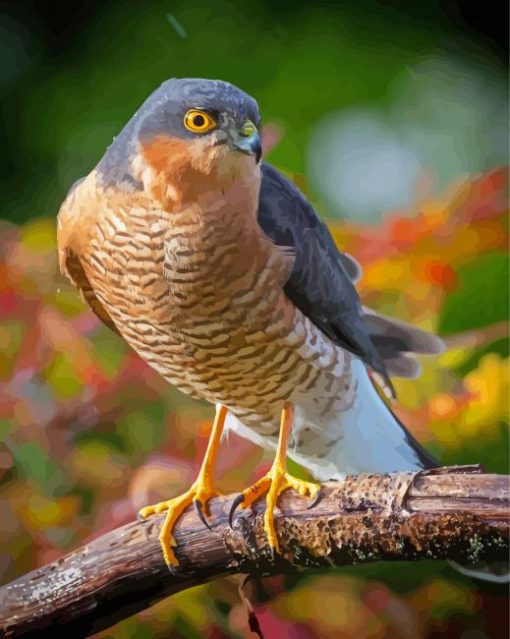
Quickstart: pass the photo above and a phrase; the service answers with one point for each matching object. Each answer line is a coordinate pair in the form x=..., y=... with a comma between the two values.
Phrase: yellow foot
x=198, y=495
x=274, y=483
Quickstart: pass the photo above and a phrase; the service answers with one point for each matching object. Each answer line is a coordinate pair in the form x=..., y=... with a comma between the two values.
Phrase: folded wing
x=321, y=285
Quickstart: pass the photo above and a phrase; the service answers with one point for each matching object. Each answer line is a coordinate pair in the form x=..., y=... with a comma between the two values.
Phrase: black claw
x=172, y=570
x=235, y=505
x=199, y=509
x=272, y=553
x=316, y=500
x=253, y=624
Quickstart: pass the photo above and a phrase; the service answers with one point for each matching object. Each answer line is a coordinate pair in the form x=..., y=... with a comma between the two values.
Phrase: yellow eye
x=199, y=121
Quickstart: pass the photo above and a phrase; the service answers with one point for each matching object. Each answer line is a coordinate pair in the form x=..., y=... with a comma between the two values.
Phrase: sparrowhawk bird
x=218, y=272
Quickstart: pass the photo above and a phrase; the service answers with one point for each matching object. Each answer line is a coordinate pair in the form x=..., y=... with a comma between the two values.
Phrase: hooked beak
x=248, y=140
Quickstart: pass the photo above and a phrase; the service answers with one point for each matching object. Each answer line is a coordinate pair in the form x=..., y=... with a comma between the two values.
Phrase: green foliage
x=331, y=58
x=35, y=465
x=482, y=297
x=500, y=346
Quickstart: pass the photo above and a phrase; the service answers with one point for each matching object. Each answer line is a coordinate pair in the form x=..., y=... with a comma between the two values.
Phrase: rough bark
x=456, y=513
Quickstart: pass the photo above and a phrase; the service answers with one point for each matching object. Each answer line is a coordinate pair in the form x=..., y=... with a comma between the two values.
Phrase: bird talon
x=315, y=500
x=198, y=494
x=200, y=511
x=273, y=485
x=174, y=509
x=235, y=505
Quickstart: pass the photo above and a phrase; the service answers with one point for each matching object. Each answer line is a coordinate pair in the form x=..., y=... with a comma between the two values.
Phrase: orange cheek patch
x=191, y=171
x=183, y=169
x=167, y=154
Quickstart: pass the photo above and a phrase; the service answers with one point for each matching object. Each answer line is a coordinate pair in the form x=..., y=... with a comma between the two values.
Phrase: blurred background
x=392, y=118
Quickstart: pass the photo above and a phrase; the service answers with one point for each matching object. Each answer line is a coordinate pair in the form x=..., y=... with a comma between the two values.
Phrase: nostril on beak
x=248, y=129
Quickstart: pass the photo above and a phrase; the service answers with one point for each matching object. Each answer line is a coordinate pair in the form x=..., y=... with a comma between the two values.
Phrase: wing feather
x=320, y=285
x=322, y=281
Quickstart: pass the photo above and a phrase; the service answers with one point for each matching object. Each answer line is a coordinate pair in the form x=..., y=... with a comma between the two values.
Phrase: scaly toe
x=304, y=488
x=198, y=495
x=280, y=483
x=155, y=509
x=249, y=495
x=273, y=485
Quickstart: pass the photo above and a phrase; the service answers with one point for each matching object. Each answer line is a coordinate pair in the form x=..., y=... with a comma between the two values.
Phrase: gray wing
x=321, y=284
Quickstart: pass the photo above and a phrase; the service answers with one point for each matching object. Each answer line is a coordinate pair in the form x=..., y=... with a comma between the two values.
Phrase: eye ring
x=198, y=121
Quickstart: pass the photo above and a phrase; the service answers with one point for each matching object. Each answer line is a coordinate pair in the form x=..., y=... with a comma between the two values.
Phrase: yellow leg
x=275, y=482
x=198, y=494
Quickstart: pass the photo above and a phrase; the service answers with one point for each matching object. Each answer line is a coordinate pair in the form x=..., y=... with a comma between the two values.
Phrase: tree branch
x=455, y=513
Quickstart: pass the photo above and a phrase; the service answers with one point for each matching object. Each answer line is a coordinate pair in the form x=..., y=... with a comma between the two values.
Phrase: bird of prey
x=217, y=271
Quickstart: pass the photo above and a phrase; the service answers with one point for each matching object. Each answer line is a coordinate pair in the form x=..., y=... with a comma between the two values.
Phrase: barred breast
x=199, y=295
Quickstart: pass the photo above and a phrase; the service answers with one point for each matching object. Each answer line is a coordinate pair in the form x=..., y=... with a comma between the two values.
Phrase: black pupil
x=198, y=120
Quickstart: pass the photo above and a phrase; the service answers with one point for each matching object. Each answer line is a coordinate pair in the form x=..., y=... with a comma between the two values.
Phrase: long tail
x=397, y=342
x=367, y=438
x=374, y=440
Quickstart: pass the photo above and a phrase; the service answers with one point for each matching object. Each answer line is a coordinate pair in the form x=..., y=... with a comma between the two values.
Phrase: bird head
x=189, y=129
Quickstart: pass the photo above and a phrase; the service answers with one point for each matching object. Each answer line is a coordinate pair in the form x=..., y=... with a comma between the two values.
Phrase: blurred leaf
x=61, y=376
x=68, y=302
x=501, y=347
x=493, y=454
x=140, y=433
x=85, y=496
x=11, y=338
x=482, y=296
x=39, y=235
x=110, y=439
x=6, y=427
x=109, y=350
x=35, y=464
x=185, y=629
x=98, y=462
x=489, y=388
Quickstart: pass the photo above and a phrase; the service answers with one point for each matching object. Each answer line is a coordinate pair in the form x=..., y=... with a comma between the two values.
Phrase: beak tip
x=250, y=145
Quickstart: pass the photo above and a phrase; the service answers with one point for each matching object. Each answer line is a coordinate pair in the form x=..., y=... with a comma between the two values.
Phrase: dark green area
x=501, y=347
x=481, y=298
x=35, y=465
x=66, y=91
